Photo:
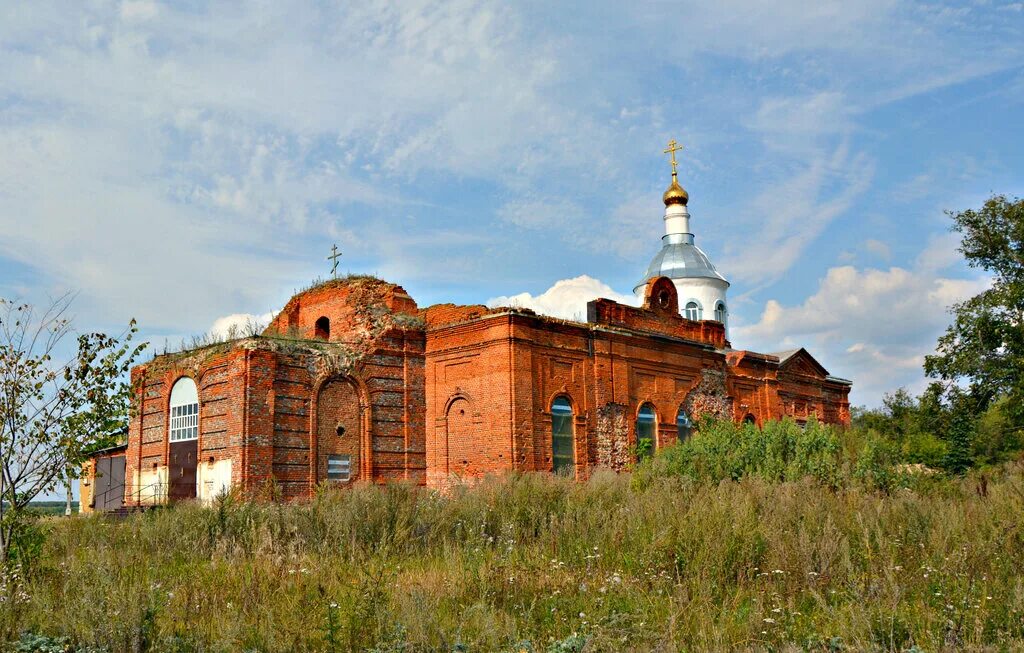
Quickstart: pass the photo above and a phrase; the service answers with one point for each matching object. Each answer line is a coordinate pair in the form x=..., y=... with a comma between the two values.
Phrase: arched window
x=749, y=419
x=692, y=311
x=645, y=422
x=684, y=425
x=184, y=409
x=563, y=458
x=323, y=329
x=720, y=312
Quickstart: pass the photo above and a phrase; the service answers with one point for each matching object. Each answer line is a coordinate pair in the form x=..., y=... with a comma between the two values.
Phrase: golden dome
x=675, y=194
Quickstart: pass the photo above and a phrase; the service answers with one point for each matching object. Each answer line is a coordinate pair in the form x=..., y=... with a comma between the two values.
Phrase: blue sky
x=181, y=163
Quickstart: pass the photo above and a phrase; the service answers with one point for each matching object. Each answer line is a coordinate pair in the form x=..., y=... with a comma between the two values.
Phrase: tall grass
x=536, y=563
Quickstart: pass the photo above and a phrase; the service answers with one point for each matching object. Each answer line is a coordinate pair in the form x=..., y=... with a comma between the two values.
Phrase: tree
x=984, y=346
x=53, y=413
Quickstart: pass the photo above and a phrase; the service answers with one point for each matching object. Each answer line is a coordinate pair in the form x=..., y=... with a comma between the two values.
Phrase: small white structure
x=701, y=287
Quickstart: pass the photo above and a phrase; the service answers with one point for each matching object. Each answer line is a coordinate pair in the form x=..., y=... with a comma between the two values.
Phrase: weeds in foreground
x=541, y=563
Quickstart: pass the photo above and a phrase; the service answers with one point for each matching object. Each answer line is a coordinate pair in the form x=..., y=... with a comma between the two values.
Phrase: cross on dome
x=675, y=194
x=673, y=147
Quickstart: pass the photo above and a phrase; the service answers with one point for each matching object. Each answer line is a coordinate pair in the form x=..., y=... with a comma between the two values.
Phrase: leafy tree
x=915, y=428
x=984, y=347
x=961, y=432
x=53, y=413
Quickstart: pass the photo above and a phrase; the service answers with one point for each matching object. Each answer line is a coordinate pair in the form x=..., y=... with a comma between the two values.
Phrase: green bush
x=780, y=451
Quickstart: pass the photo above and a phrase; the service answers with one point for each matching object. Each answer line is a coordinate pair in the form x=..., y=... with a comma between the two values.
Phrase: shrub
x=780, y=451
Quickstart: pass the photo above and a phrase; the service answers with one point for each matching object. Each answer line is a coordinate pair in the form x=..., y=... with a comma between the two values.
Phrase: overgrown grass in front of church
x=674, y=557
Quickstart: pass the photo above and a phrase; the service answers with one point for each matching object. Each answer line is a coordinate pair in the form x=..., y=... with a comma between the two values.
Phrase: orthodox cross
x=333, y=258
x=673, y=147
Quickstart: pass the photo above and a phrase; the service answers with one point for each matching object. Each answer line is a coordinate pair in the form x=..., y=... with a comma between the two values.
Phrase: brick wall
x=457, y=391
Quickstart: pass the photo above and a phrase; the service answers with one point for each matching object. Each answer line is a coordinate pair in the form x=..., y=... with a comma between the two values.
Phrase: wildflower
x=769, y=620
x=777, y=610
x=778, y=571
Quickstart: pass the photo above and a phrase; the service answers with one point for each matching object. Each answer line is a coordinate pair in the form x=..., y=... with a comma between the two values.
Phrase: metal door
x=108, y=489
x=182, y=470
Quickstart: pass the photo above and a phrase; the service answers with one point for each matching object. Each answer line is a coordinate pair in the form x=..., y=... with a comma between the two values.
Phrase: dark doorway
x=323, y=329
x=182, y=470
x=108, y=488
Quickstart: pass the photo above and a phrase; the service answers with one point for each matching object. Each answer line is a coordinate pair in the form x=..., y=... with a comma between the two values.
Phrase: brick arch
x=457, y=395
x=340, y=400
x=565, y=395
x=174, y=489
x=661, y=296
x=461, y=434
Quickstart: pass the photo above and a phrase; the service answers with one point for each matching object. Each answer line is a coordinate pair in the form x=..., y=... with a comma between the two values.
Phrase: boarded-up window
x=563, y=458
x=339, y=467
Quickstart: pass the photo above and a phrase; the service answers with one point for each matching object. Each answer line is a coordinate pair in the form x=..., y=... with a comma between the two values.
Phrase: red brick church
x=353, y=381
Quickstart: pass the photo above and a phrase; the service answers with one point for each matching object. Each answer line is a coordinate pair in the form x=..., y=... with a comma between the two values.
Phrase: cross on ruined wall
x=335, y=255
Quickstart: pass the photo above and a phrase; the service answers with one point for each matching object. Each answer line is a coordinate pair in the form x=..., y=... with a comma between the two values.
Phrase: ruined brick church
x=354, y=381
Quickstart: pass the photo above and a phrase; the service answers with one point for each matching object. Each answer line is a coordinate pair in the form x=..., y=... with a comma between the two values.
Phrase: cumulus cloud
x=872, y=325
x=566, y=299
x=238, y=325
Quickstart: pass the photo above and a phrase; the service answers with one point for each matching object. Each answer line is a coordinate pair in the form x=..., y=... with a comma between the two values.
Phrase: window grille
x=183, y=422
x=720, y=312
x=692, y=311
x=562, y=454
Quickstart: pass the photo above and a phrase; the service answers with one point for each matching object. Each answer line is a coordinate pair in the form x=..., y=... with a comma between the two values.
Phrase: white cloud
x=566, y=299
x=873, y=326
x=238, y=325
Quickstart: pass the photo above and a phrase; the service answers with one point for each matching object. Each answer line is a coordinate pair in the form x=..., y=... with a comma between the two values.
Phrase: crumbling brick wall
x=709, y=397
x=611, y=435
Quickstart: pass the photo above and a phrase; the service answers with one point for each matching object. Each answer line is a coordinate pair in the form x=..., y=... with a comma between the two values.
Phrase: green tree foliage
x=53, y=411
x=943, y=429
x=914, y=427
x=984, y=346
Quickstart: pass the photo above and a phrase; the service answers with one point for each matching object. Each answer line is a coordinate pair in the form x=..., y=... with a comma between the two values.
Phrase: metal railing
x=153, y=494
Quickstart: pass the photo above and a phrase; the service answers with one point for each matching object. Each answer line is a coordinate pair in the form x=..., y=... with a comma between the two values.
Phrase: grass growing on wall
x=782, y=559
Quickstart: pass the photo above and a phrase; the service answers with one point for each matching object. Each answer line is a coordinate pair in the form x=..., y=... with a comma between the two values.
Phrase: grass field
x=538, y=563
x=52, y=507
